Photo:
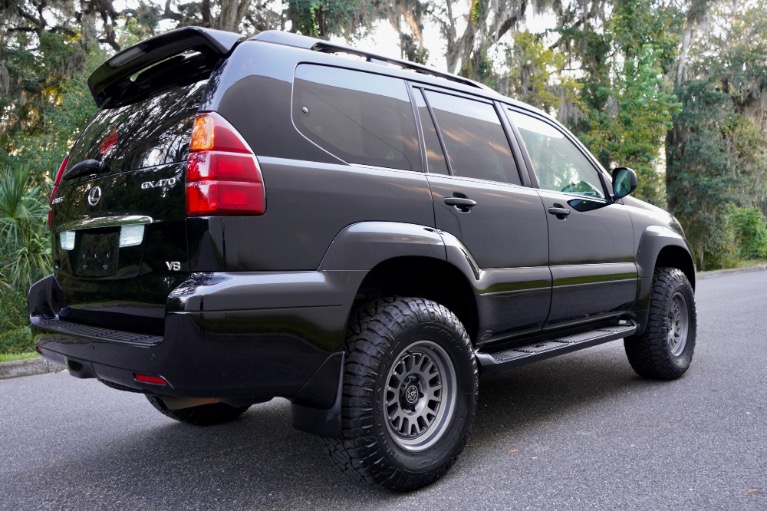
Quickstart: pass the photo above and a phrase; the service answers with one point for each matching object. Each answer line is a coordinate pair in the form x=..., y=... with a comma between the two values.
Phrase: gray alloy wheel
x=409, y=394
x=420, y=396
x=678, y=322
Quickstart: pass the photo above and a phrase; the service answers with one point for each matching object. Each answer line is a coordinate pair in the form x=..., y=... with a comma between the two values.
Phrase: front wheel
x=410, y=394
x=664, y=351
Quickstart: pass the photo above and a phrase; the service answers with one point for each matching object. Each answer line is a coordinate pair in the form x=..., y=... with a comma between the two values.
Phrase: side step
x=521, y=355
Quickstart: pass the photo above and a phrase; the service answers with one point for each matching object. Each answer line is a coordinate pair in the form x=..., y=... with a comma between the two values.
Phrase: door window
x=358, y=117
x=557, y=162
x=474, y=139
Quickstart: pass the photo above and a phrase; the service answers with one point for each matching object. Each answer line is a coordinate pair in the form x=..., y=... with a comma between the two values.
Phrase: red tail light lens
x=56, y=182
x=222, y=175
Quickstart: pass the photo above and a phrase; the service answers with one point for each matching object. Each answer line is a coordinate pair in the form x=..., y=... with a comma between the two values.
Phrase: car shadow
x=260, y=462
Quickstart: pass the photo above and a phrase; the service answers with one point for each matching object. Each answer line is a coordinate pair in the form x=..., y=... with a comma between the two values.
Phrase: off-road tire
x=664, y=351
x=204, y=415
x=400, y=352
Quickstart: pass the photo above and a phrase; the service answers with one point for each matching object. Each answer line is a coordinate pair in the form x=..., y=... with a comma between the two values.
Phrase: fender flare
x=365, y=245
x=653, y=241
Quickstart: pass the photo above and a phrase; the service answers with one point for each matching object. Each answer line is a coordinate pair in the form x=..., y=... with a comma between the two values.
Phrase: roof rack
x=309, y=43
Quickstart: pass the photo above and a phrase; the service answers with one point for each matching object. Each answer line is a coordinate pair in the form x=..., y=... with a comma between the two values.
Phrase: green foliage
x=717, y=152
x=536, y=74
x=750, y=228
x=628, y=105
x=24, y=246
x=15, y=334
x=320, y=19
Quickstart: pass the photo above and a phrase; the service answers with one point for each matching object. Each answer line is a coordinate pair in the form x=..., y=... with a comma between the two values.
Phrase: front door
x=591, y=241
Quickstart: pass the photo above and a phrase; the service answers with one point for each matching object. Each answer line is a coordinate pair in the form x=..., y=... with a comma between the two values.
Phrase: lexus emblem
x=94, y=196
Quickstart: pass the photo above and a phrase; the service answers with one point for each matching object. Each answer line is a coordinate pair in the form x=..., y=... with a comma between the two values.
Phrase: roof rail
x=309, y=43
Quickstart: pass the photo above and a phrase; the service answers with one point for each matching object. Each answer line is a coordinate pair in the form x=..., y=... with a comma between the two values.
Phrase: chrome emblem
x=94, y=196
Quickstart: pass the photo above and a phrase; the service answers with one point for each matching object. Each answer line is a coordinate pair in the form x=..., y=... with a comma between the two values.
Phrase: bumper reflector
x=146, y=378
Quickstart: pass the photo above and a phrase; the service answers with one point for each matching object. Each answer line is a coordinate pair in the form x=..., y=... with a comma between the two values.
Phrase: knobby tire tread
x=649, y=353
x=371, y=331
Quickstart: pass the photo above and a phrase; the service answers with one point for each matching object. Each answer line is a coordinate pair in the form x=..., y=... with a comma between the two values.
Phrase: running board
x=492, y=362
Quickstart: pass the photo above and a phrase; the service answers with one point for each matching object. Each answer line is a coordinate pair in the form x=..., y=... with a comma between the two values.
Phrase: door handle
x=463, y=204
x=559, y=211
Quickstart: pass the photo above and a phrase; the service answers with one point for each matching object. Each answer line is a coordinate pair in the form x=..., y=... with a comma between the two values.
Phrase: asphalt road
x=576, y=432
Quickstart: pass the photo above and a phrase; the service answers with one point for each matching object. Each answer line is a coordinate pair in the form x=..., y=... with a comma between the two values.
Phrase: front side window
x=358, y=117
x=474, y=139
x=557, y=162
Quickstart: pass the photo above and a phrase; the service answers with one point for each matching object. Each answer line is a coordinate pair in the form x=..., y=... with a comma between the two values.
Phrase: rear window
x=357, y=117
x=150, y=132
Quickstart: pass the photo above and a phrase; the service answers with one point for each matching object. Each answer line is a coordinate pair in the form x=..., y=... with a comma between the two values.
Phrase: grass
x=747, y=263
x=9, y=357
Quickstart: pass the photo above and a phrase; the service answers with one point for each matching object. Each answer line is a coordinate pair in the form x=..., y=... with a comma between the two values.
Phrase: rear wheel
x=203, y=415
x=410, y=394
x=664, y=351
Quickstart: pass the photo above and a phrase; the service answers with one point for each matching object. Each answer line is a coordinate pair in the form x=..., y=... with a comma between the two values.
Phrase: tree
x=716, y=151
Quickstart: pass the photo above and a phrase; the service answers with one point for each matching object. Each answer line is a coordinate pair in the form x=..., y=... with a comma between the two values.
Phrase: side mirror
x=624, y=182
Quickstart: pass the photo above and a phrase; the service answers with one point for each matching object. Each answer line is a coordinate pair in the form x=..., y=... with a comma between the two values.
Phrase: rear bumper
x=219, y=340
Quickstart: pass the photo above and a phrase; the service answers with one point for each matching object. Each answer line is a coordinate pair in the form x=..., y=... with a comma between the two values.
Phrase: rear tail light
x=222, y=174
x=59, y=173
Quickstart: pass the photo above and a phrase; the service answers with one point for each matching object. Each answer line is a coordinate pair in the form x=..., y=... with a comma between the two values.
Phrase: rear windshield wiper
x=87, y=167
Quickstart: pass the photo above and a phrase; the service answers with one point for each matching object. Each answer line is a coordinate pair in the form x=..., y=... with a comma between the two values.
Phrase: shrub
x=750, y=229
x=15, y=334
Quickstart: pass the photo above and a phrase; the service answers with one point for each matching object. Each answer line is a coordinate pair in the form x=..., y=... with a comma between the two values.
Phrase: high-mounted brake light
x=222, y=174
x=59, y=173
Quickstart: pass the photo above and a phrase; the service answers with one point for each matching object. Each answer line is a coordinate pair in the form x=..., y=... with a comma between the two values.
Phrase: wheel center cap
x=411, y=394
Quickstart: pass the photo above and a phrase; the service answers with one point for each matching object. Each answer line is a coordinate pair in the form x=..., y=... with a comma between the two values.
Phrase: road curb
x=716, y=273
x=27, y=367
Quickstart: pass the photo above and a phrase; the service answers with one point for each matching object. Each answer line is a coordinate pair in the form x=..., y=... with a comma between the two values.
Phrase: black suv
x=283, y=216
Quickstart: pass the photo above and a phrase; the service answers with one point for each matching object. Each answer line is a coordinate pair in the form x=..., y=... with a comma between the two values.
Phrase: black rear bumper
x=242, y=355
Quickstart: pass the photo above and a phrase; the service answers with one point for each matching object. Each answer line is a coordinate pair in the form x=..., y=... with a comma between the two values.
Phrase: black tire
x=664, y=351
x=400, y=352
x=203, y=415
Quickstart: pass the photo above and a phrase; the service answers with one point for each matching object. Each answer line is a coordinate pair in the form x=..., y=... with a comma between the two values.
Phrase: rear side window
x=474, y=139
x=358, y=117
x=146, y=133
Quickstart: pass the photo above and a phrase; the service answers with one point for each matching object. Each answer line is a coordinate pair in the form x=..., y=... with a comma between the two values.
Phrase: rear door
x=119, y=211
x=591, y=247
x=479, y=198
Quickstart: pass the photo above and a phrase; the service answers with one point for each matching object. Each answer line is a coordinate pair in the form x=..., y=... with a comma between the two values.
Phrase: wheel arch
x=423, y=277
x=408, y=260
x=659, y=247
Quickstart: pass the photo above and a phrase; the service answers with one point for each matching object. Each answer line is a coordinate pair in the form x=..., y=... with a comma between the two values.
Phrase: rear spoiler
x=113, y=78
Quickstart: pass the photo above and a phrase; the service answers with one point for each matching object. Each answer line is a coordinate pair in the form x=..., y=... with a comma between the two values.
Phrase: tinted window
x=150, y=132
x=358, y=117
x=435, y=158
x=558, y=163
x=474, y=139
